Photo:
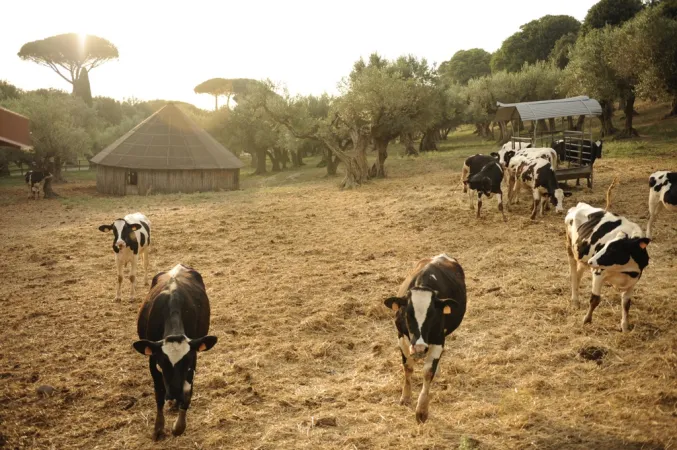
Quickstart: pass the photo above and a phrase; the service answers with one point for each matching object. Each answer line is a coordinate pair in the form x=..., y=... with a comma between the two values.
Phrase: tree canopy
x=534, y=42
x=466, y=64
x=611, y=12
x=67, y=54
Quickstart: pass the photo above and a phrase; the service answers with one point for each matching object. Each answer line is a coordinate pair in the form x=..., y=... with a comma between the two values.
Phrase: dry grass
x=307, y=356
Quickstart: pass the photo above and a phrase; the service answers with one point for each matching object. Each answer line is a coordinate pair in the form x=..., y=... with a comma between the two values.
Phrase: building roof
x=167, y=140
x=14, y=130
x=548, y=109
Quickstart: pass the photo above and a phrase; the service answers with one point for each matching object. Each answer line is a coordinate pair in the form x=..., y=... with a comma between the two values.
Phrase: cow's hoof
x=587, y=320
x=405, y=401
x=118, y=298
x=421, y=416
x=158, y=434
x=180, y=423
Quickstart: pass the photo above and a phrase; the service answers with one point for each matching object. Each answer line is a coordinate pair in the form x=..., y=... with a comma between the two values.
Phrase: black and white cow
x=506, y=152
x=487, y=182
x=473, y=165
x=172, y=325
x=131, y=241
x=613, y=247
x=662, y=189
x=560, y=148
x=539, y=175
x=35, y=180
x=429, y=306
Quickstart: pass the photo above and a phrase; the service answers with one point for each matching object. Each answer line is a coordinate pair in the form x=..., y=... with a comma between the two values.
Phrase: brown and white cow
x=429, y=306
x=172, y=325
x=131, y=241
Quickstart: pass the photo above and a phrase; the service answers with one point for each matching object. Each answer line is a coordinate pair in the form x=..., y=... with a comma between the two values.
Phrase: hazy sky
x=167, y=47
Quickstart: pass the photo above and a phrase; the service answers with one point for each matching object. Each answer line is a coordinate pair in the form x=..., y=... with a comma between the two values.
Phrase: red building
x=14, y=130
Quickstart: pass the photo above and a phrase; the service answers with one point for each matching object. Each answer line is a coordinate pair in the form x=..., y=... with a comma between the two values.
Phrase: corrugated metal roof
x=548, y=109
x=167, y=140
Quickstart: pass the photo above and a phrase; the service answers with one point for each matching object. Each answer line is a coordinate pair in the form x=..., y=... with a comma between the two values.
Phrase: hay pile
x=307, y=355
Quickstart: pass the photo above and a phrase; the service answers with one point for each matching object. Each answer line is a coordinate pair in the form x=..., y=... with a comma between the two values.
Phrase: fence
x=81, y=164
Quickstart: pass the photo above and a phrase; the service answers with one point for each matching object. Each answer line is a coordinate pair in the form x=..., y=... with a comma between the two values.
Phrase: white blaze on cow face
x=559, y=196
x=119, y=225
x=175, y=351
x=421, y=301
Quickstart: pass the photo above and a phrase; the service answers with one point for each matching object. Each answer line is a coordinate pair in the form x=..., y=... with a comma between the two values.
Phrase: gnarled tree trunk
x=570, y=123
x=607, y=118
x=274, y=160
x=628, y=109
x=673, y=108
x=381, y=147
x=260, y=162
x=429, y=141
x=409, y=148
x=580, y=123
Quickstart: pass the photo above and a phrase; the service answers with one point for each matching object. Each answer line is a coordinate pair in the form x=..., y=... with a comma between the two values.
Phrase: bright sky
x=167, y=47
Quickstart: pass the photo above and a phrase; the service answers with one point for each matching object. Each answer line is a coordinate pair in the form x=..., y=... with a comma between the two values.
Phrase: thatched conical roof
x=167, y=140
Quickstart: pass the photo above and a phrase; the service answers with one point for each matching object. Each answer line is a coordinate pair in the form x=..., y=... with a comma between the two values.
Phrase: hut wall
x=187, y=181
x=110, y=180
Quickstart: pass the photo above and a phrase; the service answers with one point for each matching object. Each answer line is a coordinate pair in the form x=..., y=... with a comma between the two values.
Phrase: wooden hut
x=166, y=153
x=14, y=130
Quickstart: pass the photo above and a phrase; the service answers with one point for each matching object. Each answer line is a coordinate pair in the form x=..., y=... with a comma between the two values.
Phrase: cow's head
x=175, y=357
x=504, y=157
x=424, y=313
x=621, y=253
x=558, y=199
x=123, y=232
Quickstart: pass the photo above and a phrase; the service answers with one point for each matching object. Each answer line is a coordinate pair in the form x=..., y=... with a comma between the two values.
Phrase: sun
x=82, y=40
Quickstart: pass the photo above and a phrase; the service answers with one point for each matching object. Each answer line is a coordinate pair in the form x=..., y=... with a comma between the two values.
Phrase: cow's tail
x=608, y=193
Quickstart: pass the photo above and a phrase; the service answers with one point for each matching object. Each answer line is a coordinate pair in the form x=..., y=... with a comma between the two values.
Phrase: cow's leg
x=517, y=189
x=408, y=369
x=537, y=200
x=146, y=263
x=159, y=385
x=654, y=208
x=479, y=203
x=132, y=277
x=429, y=368
x=575, y=272
x=121, y=270
x=544, y=201
x=499, y=198
x=471, y=199
x=464, y=178
x=626, y=302
x=595, y=298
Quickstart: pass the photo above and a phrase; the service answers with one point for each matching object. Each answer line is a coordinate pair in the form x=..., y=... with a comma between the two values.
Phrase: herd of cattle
x=173, y=321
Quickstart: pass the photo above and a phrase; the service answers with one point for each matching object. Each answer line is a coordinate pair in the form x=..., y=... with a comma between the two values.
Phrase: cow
x=506, y=152
x=173, y=326
x=613, y=247
x=539, y=175
x=662, y=189
x=429, y=306
x=487, y=182
x=35, y=180
x=560, y=148
x=131, y=241
x=472, y=165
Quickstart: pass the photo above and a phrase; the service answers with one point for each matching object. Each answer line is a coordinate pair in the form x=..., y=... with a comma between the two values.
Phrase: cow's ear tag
x=148, y=351
x=446, y=310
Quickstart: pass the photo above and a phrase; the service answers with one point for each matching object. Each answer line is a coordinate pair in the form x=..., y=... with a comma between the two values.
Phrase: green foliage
x=59, y=123
x=8, y=91
x=610, y=12
x=466, y=64
x=68, y=53
x=109, y=110
x=534, y=42
x=560, y=52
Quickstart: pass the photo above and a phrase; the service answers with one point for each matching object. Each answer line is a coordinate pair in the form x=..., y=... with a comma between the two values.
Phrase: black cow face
x=619, y=251
x=424, y=313
x=123, y=233
x=175, y=357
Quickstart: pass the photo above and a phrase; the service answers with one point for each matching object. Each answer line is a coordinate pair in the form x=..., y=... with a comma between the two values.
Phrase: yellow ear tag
x=395, y=306
x=148, y=351
x=202, y=348
x=446, y=310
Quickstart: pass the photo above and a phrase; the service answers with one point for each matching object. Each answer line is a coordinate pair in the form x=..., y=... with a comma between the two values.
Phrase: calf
x=429, y=306
x=472, y=165
x=539, y=175
x=487, y=182
x=506, y=152
x=662, y=189
x=560, y=148
x=35, y=180
x=612, y=247
x=172, y=325
x=131, y=241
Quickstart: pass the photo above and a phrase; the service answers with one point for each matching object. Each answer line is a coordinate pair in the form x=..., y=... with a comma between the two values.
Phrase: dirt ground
x=296, y=276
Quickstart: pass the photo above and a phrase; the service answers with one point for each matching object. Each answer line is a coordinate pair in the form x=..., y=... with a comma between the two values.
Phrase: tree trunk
x=254, y=158
x=444, y=133
x=299, y=157
x=580, y=123
x=49, y=192
x=607, y=118
x=274, y=160
x=260, y=162
x=429, y=141
x=552, y=125
x=381, y=147
x=628, y=108
x=332, y=163
x=408, y=140
x=56, y=171
x=673, y=108
x=570, y=123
